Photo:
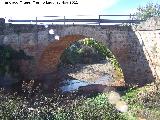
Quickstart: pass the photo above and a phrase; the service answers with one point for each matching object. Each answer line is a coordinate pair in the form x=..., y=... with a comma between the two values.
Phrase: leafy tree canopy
x=148, y=11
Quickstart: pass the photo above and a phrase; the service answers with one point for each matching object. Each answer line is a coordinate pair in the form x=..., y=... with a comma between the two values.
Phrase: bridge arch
x=116, y=40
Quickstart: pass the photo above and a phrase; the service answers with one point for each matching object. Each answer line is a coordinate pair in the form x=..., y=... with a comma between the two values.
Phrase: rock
x=119, y=82
x=121, y=106
x=95, y=88
x=151, y=24
x=140, y=118
x=113, y=97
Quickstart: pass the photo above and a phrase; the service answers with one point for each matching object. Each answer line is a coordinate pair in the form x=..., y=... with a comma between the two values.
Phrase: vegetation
x=148, y=11
x=100, y=48
x=56, y=107
x=35, y=105
x=144, y=102
x=88, y=50
x=9, y=60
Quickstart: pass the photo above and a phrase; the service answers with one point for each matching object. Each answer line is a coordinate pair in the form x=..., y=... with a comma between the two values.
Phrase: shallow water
x=70, y=85
x=73, y=85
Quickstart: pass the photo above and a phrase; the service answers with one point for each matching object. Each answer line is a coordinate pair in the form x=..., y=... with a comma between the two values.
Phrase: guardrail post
x=64, y=20
x=130, y=16
x=99, y=20
x=36, y=32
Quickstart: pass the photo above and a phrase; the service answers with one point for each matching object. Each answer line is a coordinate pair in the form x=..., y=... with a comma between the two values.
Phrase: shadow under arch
x=129, y=54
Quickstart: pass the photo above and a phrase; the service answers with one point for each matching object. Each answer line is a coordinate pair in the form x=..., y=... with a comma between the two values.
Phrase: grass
x=143, y=102
x=42, y=108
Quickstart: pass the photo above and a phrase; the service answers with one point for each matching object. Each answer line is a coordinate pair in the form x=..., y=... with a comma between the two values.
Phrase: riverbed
x=87, y=74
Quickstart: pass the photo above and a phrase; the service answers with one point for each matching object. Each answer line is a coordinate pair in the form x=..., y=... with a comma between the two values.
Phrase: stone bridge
x=136, y=49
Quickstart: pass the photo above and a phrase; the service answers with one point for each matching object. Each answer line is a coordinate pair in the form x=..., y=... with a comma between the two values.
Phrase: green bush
x=148, y=11
x=9, y=60
x=99, y=47
x=87, y=47
x=71, y=54
x=89, y=51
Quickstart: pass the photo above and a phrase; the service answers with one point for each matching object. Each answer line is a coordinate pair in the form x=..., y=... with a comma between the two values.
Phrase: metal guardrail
x=86, y=21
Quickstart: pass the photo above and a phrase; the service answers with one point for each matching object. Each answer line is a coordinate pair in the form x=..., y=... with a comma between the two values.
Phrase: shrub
x=9, y=60
x=148, y=11
x=87, y=50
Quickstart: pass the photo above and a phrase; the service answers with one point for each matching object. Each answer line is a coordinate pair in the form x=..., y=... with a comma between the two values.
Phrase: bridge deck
x=83, y=21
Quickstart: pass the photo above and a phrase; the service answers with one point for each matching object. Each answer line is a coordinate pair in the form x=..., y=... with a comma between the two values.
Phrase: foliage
x=71, y=54
x=9, y=60
x=150, y=10
x=143, y=102
x=79, y=52
x=88, y=50
x=103, y=51
x=100, y=48
x=130, y=95
x=57, y=107
x=72, y=107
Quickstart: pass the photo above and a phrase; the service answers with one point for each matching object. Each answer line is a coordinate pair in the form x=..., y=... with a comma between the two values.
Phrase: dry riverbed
x=92, y=72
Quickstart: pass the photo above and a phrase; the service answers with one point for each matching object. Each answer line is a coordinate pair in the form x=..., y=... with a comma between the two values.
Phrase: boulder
x=94, y=89
x=152, y=23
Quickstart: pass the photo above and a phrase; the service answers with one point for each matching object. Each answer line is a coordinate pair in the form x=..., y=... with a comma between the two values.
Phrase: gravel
x=89, y=72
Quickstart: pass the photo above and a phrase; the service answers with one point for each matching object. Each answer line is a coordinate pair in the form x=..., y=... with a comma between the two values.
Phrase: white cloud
x=84, y=7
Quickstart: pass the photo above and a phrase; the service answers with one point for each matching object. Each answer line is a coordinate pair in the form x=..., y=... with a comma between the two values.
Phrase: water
x=73, y=85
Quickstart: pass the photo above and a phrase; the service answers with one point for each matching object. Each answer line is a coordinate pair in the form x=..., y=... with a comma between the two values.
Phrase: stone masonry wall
x=150, y=41
x=136, y=50
x=148, y=34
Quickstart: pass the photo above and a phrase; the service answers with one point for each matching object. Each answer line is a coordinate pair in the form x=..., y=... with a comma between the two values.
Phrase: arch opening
x=55, y=52
x=91, y=61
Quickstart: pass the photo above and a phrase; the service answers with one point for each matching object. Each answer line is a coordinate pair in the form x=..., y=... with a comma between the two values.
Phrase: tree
x=150, y=10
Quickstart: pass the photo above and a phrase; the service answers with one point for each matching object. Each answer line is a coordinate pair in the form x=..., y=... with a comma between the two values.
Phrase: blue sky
x=127, y=6
x=84, y=7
